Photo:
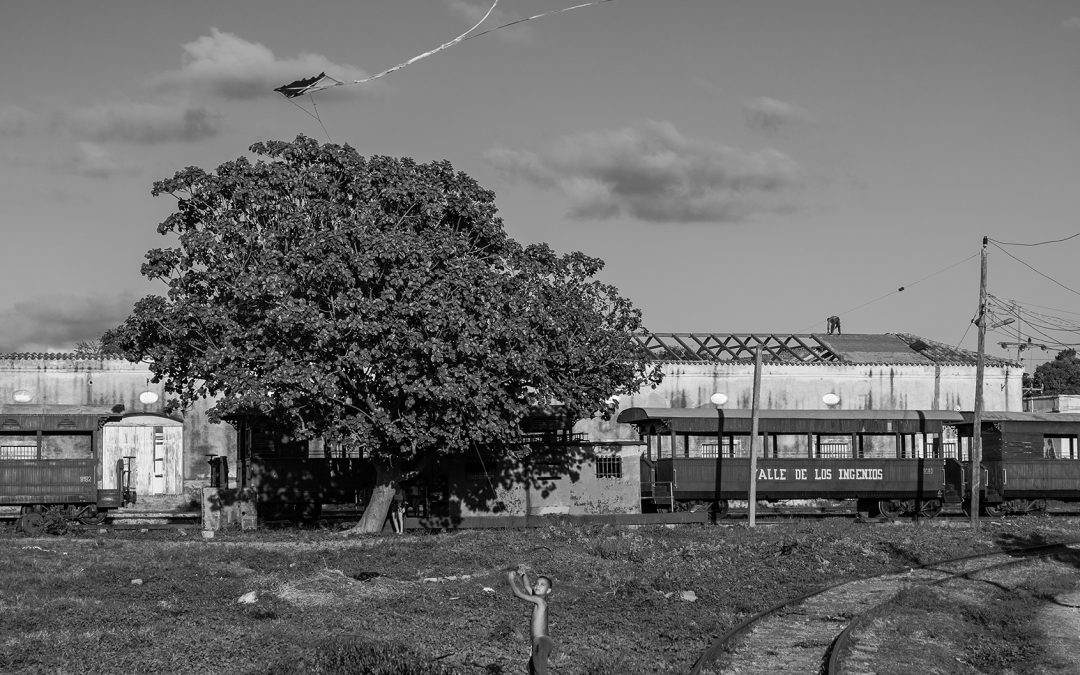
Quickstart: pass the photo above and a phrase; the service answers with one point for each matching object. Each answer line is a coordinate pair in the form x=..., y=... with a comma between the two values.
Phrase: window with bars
x=18, y=452
x=608, y=466
x=833, y=449
x=707, y=450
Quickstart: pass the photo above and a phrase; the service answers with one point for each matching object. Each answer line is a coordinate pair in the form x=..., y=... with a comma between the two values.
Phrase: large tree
x=375, y=302
x=1060, y=376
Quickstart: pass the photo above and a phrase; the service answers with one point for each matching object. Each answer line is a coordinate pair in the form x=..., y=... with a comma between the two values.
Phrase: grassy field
x=321, y=602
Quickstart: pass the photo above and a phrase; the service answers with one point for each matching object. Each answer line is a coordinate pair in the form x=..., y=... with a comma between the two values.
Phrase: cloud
x=86, y=159
x=93, y=161
x=1072, y=23
x=652, y=172
x=126, y=121
x=15, y=121
x=58, y=322
x=145, y=123
x=770, y=116
x=231, y=67
x=521, y=33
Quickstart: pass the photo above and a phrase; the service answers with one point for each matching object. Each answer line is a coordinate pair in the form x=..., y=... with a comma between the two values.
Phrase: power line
x=898, y=290
x=1037, y=243
x=1041, y=274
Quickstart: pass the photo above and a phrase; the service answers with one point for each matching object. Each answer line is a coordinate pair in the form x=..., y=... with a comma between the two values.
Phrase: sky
x=742, y=167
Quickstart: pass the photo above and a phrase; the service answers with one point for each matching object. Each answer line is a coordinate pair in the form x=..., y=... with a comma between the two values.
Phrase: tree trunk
x=387, y=477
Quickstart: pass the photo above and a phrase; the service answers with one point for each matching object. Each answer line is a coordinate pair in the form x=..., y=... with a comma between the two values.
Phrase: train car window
x=789, y=446
x=18, y=447
x=833, y=447
x=737, y=446
x=1060, y=447
x=875, y=446
x=66, y=446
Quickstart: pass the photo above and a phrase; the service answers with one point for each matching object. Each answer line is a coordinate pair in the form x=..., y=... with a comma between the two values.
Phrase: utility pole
x=980, y=366
x=754, y=441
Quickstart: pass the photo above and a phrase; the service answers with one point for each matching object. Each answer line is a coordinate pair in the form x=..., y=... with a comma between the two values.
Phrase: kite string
x=426, y=54
x=538, y=16
x=467, y=35
x=319, y=119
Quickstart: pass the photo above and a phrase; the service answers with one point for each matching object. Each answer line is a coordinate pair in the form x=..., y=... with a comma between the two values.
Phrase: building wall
x=108, y=382
x=585, y=494
x=801, y=387
x=1054, y=403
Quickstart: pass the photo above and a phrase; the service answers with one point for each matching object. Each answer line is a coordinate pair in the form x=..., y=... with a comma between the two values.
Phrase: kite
x=306, y=85
x=322, y=81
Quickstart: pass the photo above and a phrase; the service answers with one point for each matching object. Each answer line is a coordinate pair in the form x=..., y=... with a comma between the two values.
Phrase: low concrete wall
x=229, y=508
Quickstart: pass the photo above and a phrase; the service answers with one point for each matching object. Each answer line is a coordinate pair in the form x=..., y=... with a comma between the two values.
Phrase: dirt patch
x=995, y=622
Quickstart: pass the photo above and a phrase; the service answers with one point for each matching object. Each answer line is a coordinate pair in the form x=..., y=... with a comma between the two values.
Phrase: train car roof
x=1060, y=423
x=33, y=416
x=704, y=421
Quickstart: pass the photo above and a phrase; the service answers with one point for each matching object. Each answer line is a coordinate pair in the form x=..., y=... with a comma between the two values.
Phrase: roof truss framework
x=734, y=347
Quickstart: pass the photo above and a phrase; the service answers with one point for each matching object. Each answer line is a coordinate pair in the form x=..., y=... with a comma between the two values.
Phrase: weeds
x=613, y=586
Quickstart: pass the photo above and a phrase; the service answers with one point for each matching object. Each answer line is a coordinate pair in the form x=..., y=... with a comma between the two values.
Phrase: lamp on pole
x=754, y=414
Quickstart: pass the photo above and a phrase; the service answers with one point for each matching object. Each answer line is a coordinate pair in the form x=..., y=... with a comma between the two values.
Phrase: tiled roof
x=873, y=348
x=941, y=353
x=57, y=356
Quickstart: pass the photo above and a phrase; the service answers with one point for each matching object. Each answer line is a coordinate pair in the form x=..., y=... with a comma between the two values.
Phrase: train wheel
x=719, y=508
x=92, y=515
x=994, y=510
x=1037, y=506
x=891, y=508
x=32, y=523
x=930, y=508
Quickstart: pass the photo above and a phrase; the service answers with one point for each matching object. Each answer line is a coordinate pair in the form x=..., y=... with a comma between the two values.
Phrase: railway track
x=812, y=634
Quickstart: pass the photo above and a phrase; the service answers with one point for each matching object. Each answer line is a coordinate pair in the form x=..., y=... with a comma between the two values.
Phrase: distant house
x=1056, y=403
x=891, y=371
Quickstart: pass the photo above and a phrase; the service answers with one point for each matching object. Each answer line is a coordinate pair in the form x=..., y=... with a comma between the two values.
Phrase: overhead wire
x=898, y=290
x=1037, y=243
x=1033, y=269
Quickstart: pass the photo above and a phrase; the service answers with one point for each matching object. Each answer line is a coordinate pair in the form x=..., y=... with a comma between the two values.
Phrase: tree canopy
x=377, y=302
x=1060, y=376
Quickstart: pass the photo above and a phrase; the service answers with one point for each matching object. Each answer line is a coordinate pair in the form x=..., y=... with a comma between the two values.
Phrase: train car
x=892, y=462
x=1027, y=458
x=51, y=466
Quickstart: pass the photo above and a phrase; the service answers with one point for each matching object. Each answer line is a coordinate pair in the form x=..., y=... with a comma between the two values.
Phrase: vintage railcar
x=51, y=466
x=893, y=462
x=1027, y=458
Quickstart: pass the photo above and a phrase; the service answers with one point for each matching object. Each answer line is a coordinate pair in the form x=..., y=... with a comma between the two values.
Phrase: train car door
x=152, y=449
x=993, y=465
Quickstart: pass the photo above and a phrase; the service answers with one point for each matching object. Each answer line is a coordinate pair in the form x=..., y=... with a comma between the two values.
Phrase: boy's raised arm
x=511, y=576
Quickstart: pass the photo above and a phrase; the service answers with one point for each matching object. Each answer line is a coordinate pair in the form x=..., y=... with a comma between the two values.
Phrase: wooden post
x=980, y=364
x=754, y=440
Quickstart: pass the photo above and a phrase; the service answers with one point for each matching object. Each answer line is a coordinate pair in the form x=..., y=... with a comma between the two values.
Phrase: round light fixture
x=148, y=397
x=718, y=398
x=830, y=399
x=22, y=396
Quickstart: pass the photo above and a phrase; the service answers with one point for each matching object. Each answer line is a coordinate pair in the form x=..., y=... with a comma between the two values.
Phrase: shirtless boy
x=537, y=594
